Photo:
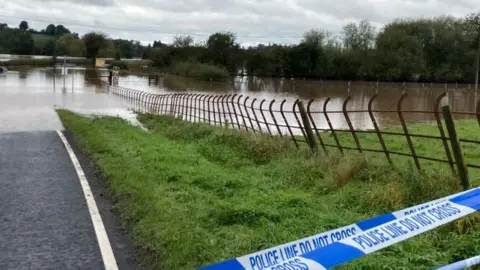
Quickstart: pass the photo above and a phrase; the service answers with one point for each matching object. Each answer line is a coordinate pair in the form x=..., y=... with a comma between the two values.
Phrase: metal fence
x=284, y=118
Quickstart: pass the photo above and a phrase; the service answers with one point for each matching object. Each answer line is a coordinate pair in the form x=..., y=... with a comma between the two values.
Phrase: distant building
x=100, y=62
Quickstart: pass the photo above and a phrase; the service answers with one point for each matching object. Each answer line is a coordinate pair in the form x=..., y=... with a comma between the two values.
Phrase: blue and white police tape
x=461, y=264
x=273, y=257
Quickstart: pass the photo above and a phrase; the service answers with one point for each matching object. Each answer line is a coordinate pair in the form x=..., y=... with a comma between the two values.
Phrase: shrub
x=199, y=71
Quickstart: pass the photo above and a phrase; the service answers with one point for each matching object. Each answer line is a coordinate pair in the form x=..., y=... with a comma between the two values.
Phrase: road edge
x=102, y=238
x=125, y=253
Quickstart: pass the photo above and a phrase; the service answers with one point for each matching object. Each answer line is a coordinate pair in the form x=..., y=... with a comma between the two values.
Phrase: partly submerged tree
x=222, y=50
x=94, y=42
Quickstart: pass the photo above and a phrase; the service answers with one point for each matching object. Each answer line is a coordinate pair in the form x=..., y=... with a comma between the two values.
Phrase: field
x=41, y=38
x=191, y=194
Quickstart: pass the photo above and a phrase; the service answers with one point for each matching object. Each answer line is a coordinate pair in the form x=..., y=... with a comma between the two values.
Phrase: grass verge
x=427, y=147
x=193, y=194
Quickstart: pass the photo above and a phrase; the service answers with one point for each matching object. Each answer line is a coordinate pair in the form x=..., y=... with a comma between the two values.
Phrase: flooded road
x=34, y=92
x=28, y=98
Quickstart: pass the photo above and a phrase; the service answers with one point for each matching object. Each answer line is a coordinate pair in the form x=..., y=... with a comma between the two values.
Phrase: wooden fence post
x=110, y=77
x=456, y=148
x=308, y=128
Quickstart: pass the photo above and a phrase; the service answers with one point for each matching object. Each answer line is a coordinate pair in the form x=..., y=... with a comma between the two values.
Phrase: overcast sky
x=254, y=21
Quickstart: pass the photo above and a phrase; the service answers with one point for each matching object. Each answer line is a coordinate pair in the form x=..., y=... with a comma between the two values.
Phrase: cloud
x=254, y=21
x=102, y=3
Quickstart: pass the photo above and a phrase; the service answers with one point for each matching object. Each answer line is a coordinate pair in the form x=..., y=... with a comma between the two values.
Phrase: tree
x=70, y=45
x=400, y=52
x=108, y=51
x=49, y=48
x=94, y=42
x=118, y=55
x=161, y=57
x=50, y=30
x=159, y=44
x=359, y=37
x=182, y=41
x=125, y=48
x=16, y=41
x=60, y=30
x=473, y=25
x=315, y=37
x=23, y=25
x=222, y=50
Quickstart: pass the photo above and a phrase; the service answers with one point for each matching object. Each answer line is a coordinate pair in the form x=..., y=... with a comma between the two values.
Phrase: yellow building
x=99, y=62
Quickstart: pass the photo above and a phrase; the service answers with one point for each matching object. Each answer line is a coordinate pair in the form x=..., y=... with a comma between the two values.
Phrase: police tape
x=461, y=264
x=398, y=224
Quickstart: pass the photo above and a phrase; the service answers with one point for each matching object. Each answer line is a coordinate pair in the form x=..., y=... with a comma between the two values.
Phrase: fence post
x=110, y=77
x=455, y=142
x=308, y=128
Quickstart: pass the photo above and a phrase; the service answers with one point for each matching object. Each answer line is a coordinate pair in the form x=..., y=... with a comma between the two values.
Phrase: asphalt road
x=44, y=219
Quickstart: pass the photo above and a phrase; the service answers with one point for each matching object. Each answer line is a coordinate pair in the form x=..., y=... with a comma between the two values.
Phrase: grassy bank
x=427, y=147
x=199, y=71
x=192, y=194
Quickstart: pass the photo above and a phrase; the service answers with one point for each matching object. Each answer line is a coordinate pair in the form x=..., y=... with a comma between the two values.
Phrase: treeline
x=441, y=49
x=437, y=49
x=59, y=40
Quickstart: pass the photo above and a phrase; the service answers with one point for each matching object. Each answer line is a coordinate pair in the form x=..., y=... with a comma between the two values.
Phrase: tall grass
x=199, y=71
x=192, y=194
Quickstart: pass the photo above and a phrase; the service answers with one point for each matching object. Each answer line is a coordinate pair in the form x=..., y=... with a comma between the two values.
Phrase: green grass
x=42, y=38
x=192, y=194
x=433, y=148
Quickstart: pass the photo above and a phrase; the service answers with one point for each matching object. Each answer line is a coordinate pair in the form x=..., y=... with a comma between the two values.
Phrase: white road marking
x=102, y=237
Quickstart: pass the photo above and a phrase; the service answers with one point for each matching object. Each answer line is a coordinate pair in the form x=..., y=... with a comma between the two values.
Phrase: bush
x=199, y=71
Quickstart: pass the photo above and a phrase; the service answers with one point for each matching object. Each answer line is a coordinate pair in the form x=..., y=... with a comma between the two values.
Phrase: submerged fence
x=304, y=122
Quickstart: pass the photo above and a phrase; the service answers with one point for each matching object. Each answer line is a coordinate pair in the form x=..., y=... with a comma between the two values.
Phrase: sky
x=253, y=21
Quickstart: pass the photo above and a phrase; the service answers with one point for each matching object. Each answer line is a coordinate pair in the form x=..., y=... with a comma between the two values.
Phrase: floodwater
x=28, y=98
x=420, y=97
x=32, y=93
x=8, y=57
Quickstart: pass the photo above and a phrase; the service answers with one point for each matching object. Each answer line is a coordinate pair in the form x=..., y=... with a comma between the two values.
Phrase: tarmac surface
x=44, y=219
x=45, y=222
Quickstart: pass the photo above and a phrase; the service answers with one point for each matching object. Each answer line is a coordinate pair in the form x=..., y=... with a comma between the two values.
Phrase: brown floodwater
x=30, y=90
x=28, y=98
x=420, y=97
